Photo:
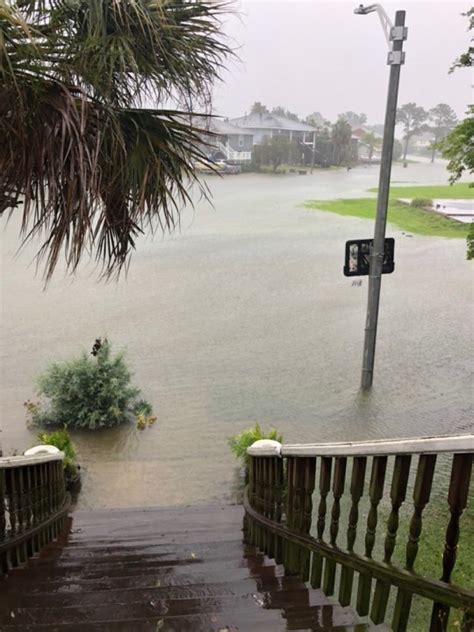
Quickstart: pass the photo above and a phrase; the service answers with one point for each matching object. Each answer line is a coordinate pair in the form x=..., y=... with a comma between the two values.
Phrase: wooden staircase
x=179, y=569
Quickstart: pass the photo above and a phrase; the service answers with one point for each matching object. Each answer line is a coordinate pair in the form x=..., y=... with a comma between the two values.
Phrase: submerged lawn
x=407, y=218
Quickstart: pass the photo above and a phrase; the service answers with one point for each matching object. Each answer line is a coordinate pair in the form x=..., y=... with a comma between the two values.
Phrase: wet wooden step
x=197, y=623
x=295, y=605
x=149, y=553
x=212, y=572
x=161, y=569
x=266, y=589
x=221, y=565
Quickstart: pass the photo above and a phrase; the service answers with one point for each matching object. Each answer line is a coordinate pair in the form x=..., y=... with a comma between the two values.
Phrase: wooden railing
x=378, y=576
x=33, y=506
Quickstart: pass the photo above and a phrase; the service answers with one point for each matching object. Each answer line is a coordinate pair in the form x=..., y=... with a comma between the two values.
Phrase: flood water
x=243, y=316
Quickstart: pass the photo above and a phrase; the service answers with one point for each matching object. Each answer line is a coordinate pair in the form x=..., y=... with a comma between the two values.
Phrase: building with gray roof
x=266, y=125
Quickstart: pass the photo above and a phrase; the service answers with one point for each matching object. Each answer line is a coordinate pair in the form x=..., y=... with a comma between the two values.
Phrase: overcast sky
x=318, y=56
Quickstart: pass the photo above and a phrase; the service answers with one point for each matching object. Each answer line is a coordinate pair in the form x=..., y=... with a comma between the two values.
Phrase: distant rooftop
x=218, y=126
x=359, y=131
x=270, y=121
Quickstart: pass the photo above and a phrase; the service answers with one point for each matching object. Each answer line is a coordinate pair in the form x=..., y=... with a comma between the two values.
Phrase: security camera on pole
x=395, y=35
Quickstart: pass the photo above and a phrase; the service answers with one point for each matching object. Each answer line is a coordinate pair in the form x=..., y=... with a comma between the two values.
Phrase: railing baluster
x=12, y=501
x=260, y=500
x=43, y=509
x=256, y=497
x=338, y=490
x=357, y=489
x=263, y=500
x=457, y=499
x=290, y=490
x=22, y=551
x=36, y=504
x=29, y=507
x=295, y=509
x=267, y=502
x=398, y=493
x=3, y=522
x=270, y=504
x=324, y=487
x=249, y=525
x=12, y=496
x=278, y=508
x=309, y=474
x=297, y=521
x=252, y=482
x=377, y=479
x=421, y=496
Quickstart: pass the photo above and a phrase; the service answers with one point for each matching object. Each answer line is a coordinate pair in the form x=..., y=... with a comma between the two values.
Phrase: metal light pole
x=395, y=35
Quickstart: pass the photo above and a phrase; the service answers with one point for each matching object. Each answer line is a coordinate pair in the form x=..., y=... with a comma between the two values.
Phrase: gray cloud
x=319, y=56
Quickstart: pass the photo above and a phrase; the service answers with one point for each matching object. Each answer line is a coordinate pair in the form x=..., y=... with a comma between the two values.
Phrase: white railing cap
x=265, y=447
x=380, y=447
x=8, y=462
x=41, y=449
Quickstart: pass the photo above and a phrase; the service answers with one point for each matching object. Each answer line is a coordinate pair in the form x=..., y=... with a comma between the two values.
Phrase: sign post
x=396, y=35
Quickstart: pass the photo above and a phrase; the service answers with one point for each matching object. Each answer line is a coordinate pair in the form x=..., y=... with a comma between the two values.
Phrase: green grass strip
x=411, y=220
x=458, y=191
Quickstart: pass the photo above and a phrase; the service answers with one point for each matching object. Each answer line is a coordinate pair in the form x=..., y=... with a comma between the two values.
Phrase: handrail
x=279, y=519
x=33, y=506
x=429, y=588
x=420, y=445
x=9, y=462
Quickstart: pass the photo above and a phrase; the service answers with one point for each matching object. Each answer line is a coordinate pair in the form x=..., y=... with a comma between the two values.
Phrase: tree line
x=413, y=119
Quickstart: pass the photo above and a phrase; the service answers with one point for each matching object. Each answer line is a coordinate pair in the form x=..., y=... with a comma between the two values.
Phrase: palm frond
x=88, y=164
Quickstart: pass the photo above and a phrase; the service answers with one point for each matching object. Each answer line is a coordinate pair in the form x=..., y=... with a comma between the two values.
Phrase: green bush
x=88, y=392
x=421, y=203
x=240, y=442
x=62, y=440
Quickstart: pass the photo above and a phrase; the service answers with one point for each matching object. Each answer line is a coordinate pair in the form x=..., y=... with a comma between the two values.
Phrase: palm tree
x=373, y=142
x=443, y=119
x=83, y=157
x=411, y=116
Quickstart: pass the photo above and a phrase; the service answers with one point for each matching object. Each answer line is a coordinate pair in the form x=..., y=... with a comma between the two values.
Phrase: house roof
x=270, y=121
x=218, y=126
x=359, y=131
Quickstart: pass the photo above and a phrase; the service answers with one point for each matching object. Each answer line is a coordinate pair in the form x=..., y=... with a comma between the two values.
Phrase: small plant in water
x=61, y=439
x=243, y=440
x=32, y=410
x=143, y=412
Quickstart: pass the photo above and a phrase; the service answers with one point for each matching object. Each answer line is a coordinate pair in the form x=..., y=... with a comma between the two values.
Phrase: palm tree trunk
x=405, y=151
x=433, y=152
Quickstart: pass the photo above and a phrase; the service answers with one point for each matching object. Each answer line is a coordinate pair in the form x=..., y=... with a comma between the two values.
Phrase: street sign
x=357, y=260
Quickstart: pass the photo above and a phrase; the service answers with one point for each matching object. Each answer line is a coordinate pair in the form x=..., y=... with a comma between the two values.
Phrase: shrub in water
x=88, y=392
x=421, y=203
x=240, y=442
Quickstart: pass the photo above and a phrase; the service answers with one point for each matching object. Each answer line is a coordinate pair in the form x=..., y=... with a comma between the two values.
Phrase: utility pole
x=314, y=151
x=396, y=34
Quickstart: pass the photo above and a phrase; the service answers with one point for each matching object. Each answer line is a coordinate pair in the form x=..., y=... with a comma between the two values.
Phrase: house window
x=241, y=141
